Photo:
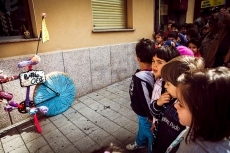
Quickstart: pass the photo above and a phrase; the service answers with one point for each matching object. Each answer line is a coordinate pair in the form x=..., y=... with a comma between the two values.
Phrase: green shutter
x=109, y=14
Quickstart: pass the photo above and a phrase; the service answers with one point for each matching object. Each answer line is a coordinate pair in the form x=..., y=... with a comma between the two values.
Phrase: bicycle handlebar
x=4, y=78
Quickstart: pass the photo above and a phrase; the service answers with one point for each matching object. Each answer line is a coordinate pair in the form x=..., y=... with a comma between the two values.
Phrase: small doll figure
x=33, y=61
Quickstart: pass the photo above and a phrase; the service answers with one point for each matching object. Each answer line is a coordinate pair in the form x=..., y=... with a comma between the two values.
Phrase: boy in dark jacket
x=140, y=91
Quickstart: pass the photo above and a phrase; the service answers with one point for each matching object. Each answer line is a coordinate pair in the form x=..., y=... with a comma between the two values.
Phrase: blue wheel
x=57, y=93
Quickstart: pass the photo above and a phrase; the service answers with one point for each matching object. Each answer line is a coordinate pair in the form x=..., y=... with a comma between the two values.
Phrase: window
x=15, y=21
x=109, y=14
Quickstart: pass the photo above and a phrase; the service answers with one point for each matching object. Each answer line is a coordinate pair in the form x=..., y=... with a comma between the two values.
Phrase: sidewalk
x=95, y=119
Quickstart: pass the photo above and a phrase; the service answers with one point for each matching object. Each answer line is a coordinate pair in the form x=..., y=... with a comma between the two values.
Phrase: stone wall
x=89, y=68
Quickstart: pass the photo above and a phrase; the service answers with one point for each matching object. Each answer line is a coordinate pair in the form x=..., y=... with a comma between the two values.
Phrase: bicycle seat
x=6, y=95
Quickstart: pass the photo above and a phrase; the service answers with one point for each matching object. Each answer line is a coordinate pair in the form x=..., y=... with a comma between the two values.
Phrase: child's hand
x=149, y=120
x=152, y=127
x=164, y=98
x=173, y=44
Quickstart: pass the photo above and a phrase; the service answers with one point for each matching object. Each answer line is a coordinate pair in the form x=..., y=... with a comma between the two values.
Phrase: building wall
x=90, y=68
x=92, y=60
x=190, y=11
x=70, y=26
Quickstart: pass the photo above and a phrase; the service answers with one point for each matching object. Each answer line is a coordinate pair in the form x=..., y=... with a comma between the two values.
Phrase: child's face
x=204, y=31
x=184, y=115
x=157, y=65
x=169, y=26
x=193, y=47
x=171, y=89
x=174, y=29
x=172, y=39
x=183, y=30
x=158, y=39
x=188, y=37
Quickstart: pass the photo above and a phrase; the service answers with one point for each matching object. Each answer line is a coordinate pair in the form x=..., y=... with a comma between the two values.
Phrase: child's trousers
x=144, y=135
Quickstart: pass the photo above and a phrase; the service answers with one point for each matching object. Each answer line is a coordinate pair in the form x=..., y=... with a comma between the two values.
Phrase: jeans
x=144, y=135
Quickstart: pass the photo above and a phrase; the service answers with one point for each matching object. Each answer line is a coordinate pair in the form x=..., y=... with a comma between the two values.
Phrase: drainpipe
x=159, y=15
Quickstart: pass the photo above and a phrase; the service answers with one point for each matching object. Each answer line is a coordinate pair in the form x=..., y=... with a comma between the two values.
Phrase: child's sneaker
x=134, y=146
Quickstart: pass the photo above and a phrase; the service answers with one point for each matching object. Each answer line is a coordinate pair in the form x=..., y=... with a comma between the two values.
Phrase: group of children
x=214, y=33
x=187, y=35
x=181, y=106
x=170, y=95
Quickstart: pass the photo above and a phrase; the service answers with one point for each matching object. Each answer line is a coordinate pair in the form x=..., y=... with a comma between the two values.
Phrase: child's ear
x=138, y=59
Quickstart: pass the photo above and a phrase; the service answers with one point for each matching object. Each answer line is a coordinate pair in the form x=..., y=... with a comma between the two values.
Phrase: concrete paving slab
x=93, y=120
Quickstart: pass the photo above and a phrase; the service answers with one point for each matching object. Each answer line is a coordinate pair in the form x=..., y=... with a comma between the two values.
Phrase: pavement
x=93, y=120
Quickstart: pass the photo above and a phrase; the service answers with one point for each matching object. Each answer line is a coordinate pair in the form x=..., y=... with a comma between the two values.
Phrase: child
x=141, y=88
x=181, y=40
x=183, y=29
x=170, y=22
x=194, y=45
x=159, y=38
x=204, y=32
x=160, y=57
x=203, y=105
x=192, y=34
x=172, y=38
x=168, y=127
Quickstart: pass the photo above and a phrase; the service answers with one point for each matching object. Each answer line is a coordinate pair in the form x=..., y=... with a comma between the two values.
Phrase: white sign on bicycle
x=32, y=77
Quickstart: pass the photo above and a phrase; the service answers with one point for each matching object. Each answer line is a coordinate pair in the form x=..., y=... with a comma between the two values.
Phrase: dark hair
x=206, y=94
x=205, y=27
x=111, y=148
x=175, y=67
x=193, y=33
x=183, y=39
x=191, y=25
x=144, y=50
x=196, y=42
x=176, y=26
x=166, y=52
x=184, y=25
x=171, y=21
x=160, y=33
x=173, y=34
x=205, y=12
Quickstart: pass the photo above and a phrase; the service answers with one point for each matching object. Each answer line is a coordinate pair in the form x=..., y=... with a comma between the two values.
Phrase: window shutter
x=109, y=14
